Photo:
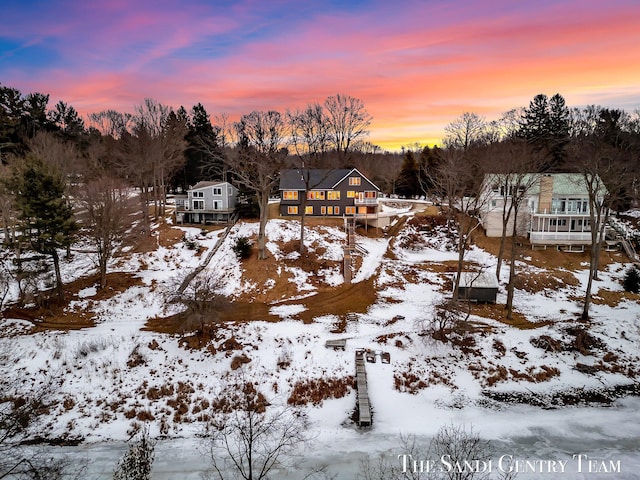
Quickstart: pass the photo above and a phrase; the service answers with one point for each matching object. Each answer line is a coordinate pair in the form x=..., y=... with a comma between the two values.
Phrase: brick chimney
x=546, y=193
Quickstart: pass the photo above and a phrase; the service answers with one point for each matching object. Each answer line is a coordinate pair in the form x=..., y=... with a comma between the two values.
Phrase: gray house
x=335, y=192
x=207, y=202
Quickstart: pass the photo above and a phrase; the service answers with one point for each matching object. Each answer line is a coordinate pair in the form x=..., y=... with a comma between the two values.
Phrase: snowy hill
x=117, y=373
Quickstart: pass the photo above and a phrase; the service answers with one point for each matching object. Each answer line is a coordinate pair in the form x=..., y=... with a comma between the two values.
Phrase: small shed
x=481, y=287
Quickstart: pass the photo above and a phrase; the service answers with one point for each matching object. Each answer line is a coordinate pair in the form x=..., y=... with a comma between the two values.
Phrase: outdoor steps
x=364, y=406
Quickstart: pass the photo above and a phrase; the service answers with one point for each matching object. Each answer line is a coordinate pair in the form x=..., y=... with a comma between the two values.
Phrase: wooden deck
x=364, y=406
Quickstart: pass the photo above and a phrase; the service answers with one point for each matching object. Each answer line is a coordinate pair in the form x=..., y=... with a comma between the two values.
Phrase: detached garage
x=481, y=287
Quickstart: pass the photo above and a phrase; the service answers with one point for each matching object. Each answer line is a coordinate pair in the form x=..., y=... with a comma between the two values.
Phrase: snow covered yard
x=117, y=375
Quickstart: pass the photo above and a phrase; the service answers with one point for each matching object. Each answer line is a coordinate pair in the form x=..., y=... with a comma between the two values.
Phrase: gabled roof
x=564, y=184
x=478, y=280
x=319, y=178
x=205, y=184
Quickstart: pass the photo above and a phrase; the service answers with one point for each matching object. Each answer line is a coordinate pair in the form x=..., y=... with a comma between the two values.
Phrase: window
x=323, y=210
x=198, y=204
x=351, y=194
x=315, y=195
x=292, y=210
x=370, y=195
x=557, y=222
x=354, y=180
x=217, y=191
x=333, y=195
x=198, y=195
x=308, y=210
x=494, y=203
x=216, y=205
x=336, y=210
x=329, y=210
x=362, y=209
x=350, y=210
x=290, y=195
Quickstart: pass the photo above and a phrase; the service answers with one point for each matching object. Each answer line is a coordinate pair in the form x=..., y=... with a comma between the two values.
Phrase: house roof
x=207, y=183
x=319, y=178
x=564, y=184
x=478, y=280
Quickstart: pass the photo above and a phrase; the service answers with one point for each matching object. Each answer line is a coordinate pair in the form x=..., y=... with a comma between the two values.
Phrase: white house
x=554, y=210
x=207, y=202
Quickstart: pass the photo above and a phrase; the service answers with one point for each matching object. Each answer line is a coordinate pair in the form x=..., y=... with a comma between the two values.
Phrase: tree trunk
x=512, y=274
x=303, y=206
x=587, y=296
x=263, y=202
x=56, y=266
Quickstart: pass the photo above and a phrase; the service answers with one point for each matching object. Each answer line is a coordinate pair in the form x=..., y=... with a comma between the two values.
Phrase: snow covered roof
x=478, y=280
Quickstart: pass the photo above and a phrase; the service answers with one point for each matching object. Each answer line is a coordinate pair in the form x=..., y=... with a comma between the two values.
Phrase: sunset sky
x=416, y=65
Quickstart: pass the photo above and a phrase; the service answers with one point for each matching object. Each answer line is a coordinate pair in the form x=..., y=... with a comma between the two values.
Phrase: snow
x=110, y=369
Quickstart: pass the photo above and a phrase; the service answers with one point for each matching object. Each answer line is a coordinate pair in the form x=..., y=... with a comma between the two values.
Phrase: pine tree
x=45, y=215
x=545, y=124
x=137, y=462
x=407, y=183
x=631, y=282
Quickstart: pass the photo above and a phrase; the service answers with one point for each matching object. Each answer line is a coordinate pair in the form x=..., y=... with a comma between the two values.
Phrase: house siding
x=342, y=186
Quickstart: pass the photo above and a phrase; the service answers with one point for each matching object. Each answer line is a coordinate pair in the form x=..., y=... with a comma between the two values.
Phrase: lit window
x=323, y=210
x=351, y=194
x=336, y=210
x=354, y=180
x=333, y=195
x=308, y=210
x=315, y=195
x=292, y=210
x=329, y=210
x=290, y=195
x=350, y=210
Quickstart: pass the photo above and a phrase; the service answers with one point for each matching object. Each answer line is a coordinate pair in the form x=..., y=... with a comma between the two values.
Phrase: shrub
x=243, y=247
x=631, y=281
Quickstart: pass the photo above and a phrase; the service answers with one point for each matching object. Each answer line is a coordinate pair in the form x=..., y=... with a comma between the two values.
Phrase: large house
x=207, y=202
x=328, y=192
x=554, y=211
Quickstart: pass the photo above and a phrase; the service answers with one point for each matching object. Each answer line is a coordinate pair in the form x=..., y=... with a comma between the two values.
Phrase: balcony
x=362, y=199
x=560, y=238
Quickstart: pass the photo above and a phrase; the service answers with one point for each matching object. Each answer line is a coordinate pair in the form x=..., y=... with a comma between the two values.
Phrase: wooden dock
x=364, y=406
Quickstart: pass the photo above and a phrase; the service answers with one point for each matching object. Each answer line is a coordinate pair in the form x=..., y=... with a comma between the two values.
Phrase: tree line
x=62, y=175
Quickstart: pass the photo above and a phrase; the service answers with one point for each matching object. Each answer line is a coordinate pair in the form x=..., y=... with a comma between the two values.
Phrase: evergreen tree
x=631, y=281
x=203, y=153
x=137, y=462
x=407, y=183
x=546, y=124
x=45, y=215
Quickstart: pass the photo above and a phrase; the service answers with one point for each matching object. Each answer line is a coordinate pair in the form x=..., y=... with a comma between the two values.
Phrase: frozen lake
x=605, y=438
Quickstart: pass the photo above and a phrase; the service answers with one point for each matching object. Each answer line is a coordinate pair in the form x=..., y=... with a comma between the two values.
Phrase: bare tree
x=199, y=293
x=310, y=141
x=466, y=131
x=457, y=180
x=453, y=445
x=248, y=436
x=603, y=179
x=110, y=122
x=108, y=204
x=260, y=156
x=348, y=123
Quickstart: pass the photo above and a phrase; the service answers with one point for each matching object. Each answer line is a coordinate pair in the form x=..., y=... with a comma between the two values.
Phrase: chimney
x=546, y=193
